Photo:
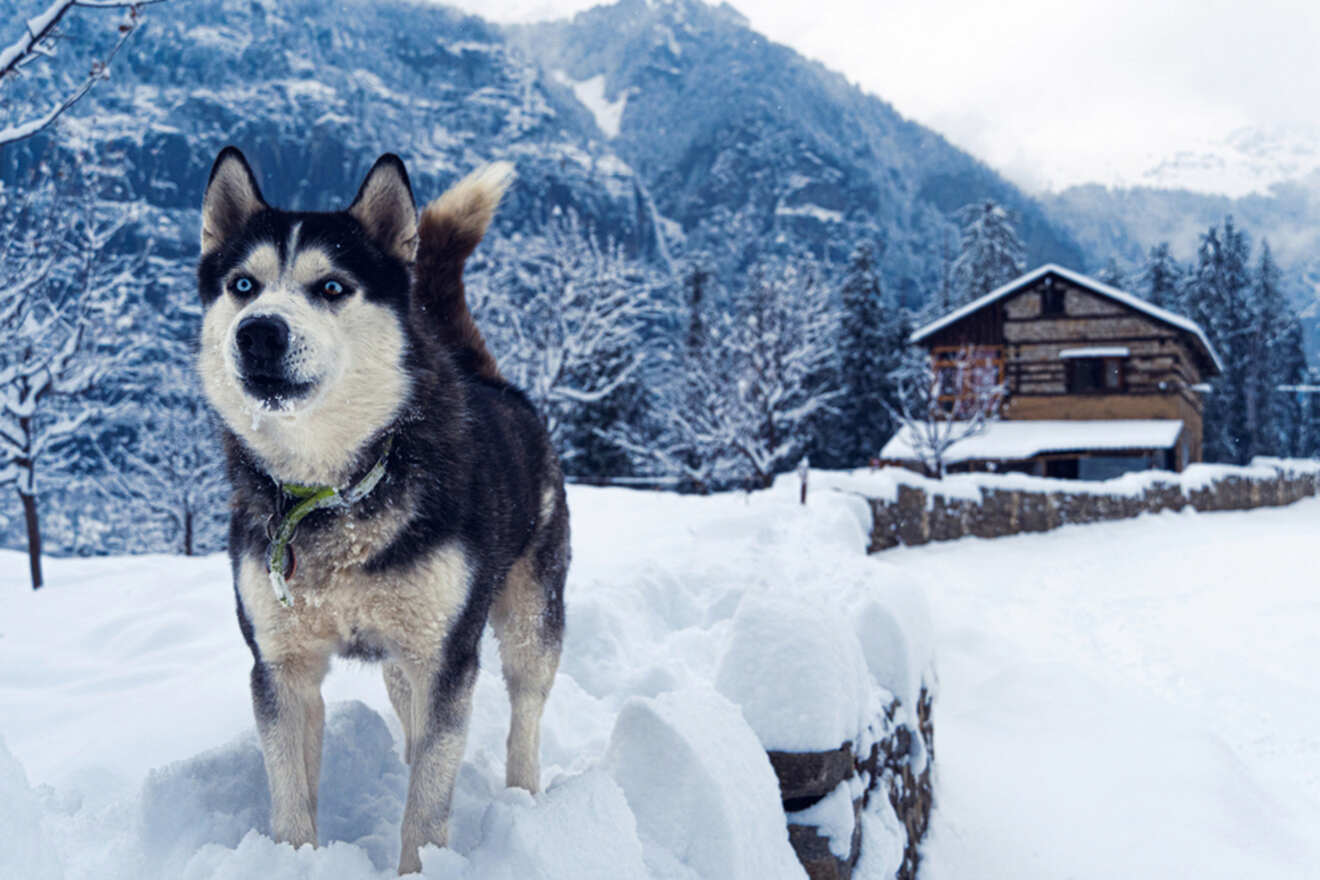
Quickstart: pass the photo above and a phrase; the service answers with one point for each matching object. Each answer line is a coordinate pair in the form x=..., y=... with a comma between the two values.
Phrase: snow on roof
x=1021, y=440
x=1082, y=281
x=1096, y=351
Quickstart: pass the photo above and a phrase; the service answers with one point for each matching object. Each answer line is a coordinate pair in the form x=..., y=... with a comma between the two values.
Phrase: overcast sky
x=1054, y=93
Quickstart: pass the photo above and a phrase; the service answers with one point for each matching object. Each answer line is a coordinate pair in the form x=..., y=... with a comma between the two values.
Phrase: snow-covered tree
x=687, y=434
x=172, y=466
x=872, y=339
x=1112, y=274
x=566, y=315
x=990, y=253
x=38, y=41
x=1161, y=279
x=782, y=362
x=1217, y=294
x=40, y=359
x=1258, y=336
x=940, y=404
x=58, y=285
x=1274, y=356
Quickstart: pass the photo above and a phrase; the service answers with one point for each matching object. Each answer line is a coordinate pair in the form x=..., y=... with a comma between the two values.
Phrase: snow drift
x=702, y=631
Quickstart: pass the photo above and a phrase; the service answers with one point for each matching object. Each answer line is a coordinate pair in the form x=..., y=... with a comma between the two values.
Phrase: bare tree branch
x=37, y=41
x=943, y=404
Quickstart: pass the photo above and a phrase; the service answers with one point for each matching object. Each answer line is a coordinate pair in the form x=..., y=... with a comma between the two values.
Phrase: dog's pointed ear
x=232, y=197
x=385, y=208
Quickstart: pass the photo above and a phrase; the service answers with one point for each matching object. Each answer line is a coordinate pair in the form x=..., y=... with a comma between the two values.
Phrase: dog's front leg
x=286, y=696
x=442, y=703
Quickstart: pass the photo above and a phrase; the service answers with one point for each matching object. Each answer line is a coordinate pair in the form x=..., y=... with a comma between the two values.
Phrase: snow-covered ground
x=1134, y=699
x=701, y=631
x=1131, y=699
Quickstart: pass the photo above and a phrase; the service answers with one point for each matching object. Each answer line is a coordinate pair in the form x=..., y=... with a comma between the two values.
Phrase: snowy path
x=1136, y=699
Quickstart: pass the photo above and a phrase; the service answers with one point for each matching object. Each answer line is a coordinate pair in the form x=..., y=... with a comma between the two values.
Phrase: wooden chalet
x=1096, y=381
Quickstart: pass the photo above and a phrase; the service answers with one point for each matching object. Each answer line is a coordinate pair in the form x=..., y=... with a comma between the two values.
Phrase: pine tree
x=1258, y=335
x=1162, y=279
x=1272, y=350
x=1217, y=299
x=990, y=253
x=872, y=339
x=1112, y=275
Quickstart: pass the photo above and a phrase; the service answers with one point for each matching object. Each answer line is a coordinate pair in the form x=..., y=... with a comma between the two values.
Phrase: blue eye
x=243, y=284
x=332, y=287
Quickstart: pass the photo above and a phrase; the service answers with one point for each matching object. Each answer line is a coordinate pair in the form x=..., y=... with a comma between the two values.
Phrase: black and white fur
x=325, y=335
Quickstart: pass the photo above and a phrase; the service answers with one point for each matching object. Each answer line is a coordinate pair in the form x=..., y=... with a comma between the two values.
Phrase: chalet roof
x=1025, y=439
x=1083, y=281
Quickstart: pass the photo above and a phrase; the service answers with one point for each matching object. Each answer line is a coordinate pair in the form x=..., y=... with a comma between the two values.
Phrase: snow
x=1129, y=699
x=1096, y=351
x=1084, y=282
x=833, y=816
x=816, y=212
x=882, y=484
x=26, y=853
x=1019, y=440
x=701, y=787
x=781, y=646
x=591, y=94
x=1126, y=699
x=124, y=700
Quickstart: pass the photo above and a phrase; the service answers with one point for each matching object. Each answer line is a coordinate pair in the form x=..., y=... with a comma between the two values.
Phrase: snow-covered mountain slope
x=723, y=124
x=668, y=118
x=314, y=91
x=127, y=749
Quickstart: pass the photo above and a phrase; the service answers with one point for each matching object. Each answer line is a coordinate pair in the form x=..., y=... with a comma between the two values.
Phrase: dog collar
x=279, y=553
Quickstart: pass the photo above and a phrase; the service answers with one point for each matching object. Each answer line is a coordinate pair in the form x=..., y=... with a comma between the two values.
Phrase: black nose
x=263, y=341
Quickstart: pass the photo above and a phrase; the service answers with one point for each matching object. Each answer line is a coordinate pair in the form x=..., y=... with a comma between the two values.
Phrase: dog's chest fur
x=340, y=606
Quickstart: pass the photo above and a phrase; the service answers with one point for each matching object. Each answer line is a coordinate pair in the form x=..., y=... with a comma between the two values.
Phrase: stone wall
x=897, y=766
x=919, y=511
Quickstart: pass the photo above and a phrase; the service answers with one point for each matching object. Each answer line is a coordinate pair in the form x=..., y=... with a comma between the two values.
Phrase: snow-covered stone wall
x=842, y=704
x=909, y=509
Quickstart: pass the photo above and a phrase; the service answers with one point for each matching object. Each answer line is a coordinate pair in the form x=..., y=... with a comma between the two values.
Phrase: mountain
x=668, y=125
x=1124, y=223
x=726, y=126
x=313, y=91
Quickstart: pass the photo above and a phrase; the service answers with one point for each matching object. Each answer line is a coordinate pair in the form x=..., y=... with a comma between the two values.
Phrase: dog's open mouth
x=276, y=392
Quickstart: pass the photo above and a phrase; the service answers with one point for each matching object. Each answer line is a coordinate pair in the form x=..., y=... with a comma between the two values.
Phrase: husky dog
x=391, y=492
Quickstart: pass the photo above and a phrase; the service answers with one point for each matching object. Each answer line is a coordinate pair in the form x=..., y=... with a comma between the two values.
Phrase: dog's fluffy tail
x=450, y=228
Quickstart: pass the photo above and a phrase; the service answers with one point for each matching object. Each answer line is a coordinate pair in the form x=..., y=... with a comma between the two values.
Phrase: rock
x=809, y=776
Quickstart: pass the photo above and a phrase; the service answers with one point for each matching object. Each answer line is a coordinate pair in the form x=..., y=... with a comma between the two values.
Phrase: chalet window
x=1051, y=300
x=948, y=380
x=1096, y=375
